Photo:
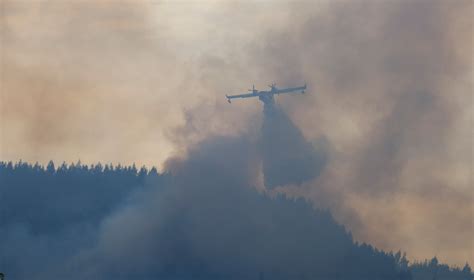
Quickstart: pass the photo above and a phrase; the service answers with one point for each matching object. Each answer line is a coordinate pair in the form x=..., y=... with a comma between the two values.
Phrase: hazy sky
x=390, y=89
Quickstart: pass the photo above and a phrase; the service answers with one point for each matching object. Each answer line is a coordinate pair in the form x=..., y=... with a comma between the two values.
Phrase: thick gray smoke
x=390, y=87
x=204, y=221
x=288, y=158
x=210, y=215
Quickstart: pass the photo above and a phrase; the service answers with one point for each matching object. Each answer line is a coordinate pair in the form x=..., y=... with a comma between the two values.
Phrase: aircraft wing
x=229, y=97
x=291, y=90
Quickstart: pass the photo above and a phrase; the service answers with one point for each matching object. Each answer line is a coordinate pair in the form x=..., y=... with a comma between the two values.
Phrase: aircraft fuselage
x=267, y=97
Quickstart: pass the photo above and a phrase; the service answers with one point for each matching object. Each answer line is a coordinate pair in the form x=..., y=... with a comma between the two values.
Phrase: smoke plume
x=204, y=220
x=389, y=88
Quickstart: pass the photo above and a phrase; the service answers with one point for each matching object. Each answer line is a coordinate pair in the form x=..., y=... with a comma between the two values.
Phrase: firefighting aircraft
x=266, y=96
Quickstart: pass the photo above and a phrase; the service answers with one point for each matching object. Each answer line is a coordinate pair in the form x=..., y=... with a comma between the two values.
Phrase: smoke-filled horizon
x=388, y=98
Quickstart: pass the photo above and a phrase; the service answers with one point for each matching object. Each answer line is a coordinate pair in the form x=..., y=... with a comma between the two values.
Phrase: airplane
x=266, y=96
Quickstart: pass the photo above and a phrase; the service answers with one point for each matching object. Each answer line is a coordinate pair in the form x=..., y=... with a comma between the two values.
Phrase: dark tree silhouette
x=78, y=221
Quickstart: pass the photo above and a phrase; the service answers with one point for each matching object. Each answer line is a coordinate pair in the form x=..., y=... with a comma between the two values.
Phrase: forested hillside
x=116, y=222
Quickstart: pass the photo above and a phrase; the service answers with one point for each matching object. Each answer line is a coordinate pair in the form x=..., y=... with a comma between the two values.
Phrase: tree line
x=62, y=208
